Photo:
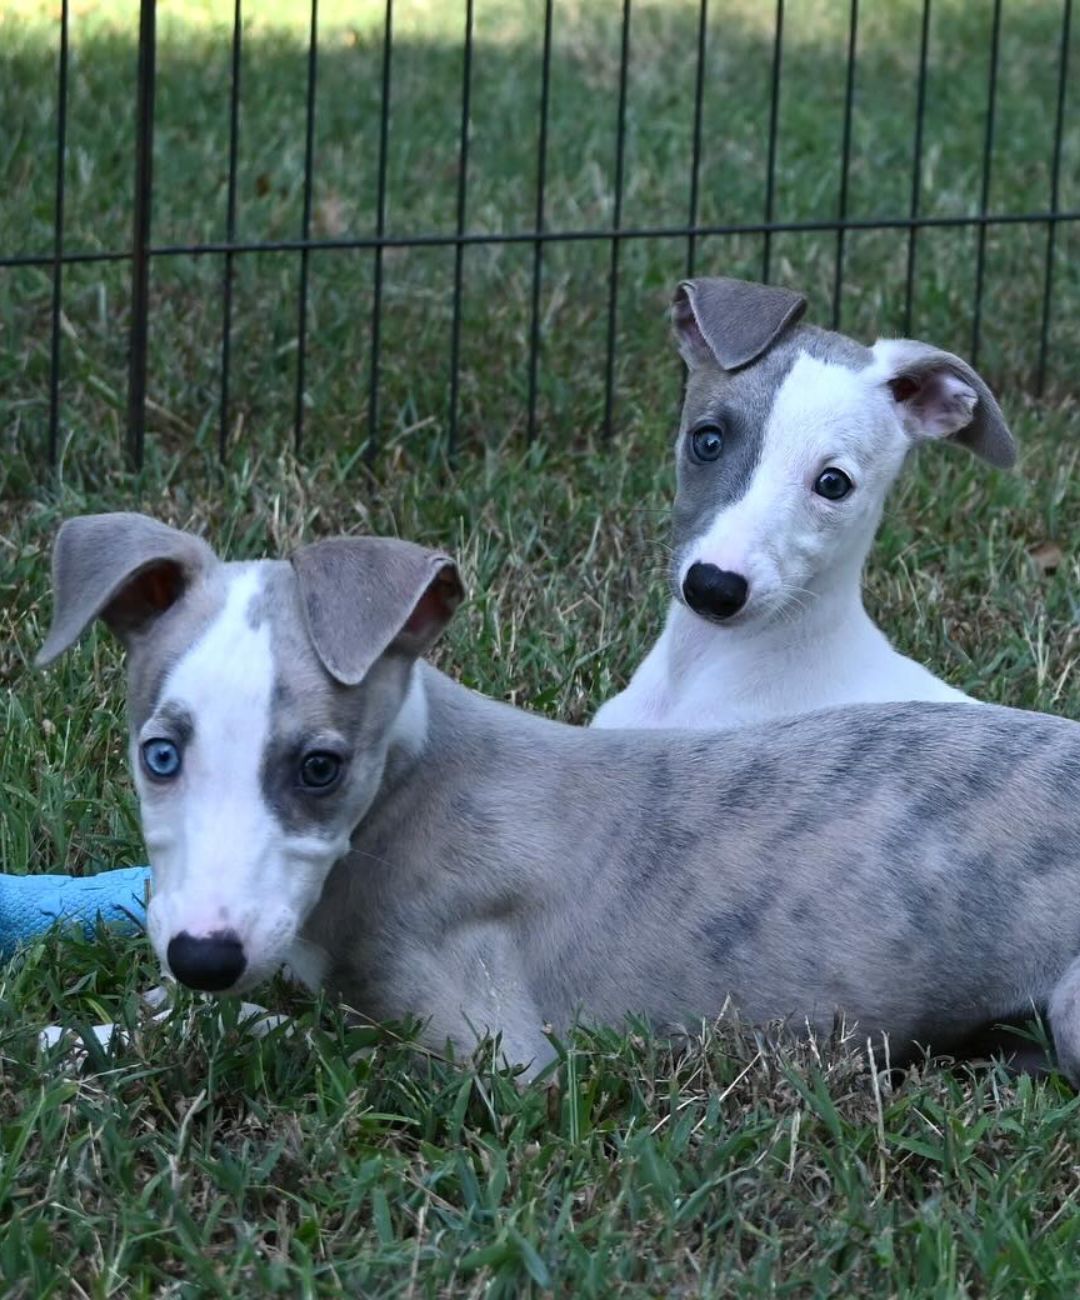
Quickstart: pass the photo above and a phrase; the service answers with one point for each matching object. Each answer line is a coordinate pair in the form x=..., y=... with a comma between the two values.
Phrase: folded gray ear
x=731, y=322
x=939, y=396
x=363, y=596
x=124, y=568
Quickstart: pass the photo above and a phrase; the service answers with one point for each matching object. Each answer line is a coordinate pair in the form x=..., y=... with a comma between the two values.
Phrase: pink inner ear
x=147, y=594
x=434, y=607
x=424, y=613
x=686, y=326
x=161, y=586
x=904, y=387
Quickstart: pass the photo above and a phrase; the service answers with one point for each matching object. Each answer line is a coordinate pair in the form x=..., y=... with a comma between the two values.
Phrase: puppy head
x=789, y=441
x=263, y=701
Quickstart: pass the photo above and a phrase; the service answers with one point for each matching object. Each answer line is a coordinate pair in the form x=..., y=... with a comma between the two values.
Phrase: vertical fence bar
x=695, y=162
x=372, y=448
x=774, y=119
x=538, y=246
x=1055, y=184
x=845, y=163
x=616, y=222
x=459, y=226
x=58, y=240
x=984, y=198
x=916, y=168
x=140, y=243
x=230, y=230
x=305, y=227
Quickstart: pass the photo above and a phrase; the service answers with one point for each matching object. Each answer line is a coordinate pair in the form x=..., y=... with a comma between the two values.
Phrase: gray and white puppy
x=791, y=437
x=313, y=793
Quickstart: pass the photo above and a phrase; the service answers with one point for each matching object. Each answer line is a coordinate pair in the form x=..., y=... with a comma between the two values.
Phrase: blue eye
x=319, y=770
x=706, y=443
x=161, y=759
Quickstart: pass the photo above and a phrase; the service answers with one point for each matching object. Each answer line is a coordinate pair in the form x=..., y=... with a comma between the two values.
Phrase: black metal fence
x=143, y=253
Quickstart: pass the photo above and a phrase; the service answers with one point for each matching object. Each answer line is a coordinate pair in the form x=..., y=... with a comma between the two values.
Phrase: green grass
x=190, y=202
x=201, y=1161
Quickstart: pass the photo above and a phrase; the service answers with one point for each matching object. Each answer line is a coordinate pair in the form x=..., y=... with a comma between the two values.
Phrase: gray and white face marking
x=815, y=402
x=277, y=765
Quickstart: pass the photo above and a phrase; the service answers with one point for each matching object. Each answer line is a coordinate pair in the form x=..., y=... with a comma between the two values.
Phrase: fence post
x=140, y=242
x=58, y=241
x=616, y=224
x=1055, y=196
x=380, y=230
x=774, y=126
x=305, y=228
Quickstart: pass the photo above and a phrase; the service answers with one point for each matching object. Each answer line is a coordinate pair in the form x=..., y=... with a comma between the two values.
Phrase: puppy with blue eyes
x=790, y=439
x=312, y=792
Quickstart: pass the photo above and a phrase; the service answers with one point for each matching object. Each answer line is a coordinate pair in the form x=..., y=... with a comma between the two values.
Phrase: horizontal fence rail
x=539, y=235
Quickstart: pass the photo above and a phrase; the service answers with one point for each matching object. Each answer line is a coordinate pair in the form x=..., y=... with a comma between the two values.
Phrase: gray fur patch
x=176, y=722
x=312, y=711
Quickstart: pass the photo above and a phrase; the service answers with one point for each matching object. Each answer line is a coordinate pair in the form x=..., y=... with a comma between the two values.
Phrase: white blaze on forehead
x=210, y=834
x=821, y=412
x=821, y=409
x=226, y=679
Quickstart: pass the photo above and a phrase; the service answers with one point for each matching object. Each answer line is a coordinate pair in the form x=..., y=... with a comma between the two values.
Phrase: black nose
x=714, y=592
x=212, y=964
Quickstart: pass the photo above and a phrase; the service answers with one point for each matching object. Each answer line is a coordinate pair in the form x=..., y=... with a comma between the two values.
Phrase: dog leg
x=257, y=1020
x=155, y=999
x=1063, y=1015
x=471, y=987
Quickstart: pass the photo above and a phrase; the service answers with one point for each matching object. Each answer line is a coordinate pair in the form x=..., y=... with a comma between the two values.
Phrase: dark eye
x=161, y=759
x=833, y=484
x=706, y=443
x=319, y=770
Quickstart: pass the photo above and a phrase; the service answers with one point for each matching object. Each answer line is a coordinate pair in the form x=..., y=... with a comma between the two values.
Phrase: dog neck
x=826, y=650
x=444, y=729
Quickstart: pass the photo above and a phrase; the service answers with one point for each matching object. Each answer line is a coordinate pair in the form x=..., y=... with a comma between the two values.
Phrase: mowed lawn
x=200, y=1161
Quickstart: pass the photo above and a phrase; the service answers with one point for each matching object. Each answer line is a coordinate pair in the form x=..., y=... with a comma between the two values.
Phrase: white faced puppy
x=790, y=439
x=312, y=792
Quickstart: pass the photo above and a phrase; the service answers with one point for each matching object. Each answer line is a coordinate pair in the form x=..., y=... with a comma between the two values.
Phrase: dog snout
x=713, y=592
x=211, y=964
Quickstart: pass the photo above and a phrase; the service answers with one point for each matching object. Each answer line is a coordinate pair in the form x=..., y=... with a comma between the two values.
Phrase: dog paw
x=253, y=1019
x=77, y=1055
x=50, y=1036
x=156, y=997
x=258, y=1021
x=107, y=1035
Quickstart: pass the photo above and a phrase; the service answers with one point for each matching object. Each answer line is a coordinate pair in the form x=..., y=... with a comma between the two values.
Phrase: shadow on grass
x=191, y=158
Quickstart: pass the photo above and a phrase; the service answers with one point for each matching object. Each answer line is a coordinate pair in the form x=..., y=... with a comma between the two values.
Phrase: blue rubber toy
x=31, y=905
